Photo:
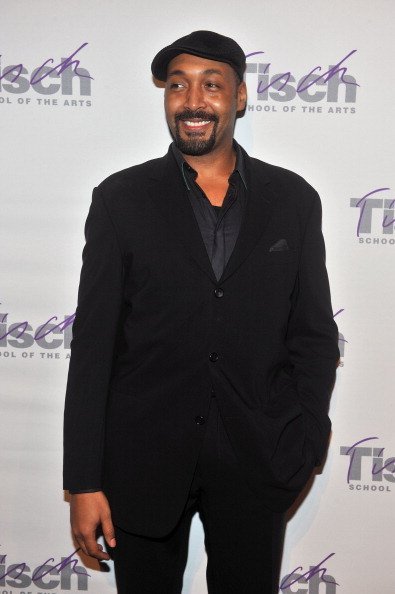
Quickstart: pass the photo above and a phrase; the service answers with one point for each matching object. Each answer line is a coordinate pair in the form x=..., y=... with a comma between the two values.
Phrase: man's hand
x=87, y=512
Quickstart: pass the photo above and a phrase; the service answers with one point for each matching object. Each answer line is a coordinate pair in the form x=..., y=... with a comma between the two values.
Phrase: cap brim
x=161, y=61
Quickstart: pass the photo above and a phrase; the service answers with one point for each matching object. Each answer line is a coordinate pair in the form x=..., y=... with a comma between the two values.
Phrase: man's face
x=202, y=98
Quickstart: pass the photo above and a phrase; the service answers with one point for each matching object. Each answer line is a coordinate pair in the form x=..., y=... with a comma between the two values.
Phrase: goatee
x=195, y=145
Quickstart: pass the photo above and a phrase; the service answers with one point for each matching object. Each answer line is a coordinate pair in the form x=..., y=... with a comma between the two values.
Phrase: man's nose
x=194, y=98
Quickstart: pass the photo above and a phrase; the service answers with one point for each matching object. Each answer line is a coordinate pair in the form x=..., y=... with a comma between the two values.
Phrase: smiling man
x=204, y=349
x=202, y=99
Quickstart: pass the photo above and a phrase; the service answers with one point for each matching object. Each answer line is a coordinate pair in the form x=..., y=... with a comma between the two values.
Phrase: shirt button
x=200, y=420
x=219, y=292
x=213, y=357
x=212, y=393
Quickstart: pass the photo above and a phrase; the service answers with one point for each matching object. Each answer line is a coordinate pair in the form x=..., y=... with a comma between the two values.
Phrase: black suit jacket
x=152, y=336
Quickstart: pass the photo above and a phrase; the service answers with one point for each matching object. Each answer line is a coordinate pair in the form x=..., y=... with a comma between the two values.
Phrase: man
x=204, y=348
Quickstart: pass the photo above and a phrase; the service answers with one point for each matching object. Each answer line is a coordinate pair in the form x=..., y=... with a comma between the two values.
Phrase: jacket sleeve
x=312, y=336
x=92, y=348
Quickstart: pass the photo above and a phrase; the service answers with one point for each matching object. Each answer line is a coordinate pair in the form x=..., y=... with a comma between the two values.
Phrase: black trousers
x=243, y=539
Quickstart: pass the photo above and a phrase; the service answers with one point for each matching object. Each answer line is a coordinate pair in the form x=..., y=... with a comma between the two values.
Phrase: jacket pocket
x=278, y=257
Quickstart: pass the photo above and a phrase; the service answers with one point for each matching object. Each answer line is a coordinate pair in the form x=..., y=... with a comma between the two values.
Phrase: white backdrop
x=63, y=134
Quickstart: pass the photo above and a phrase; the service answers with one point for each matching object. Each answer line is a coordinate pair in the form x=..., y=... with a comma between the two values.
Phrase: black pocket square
x=280, y=245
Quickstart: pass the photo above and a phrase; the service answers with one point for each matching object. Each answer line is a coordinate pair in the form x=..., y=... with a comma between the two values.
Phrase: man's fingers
x=91, y=547
x=88, y=512
x=109, y=532
x=81, y=542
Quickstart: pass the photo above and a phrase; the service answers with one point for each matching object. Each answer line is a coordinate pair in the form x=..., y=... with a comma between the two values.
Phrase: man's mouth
x=196, y=123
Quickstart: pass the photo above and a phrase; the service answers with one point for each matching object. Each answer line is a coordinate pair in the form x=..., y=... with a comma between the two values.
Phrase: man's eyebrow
x=213, y=71
x=176, y=73
x=206, y=72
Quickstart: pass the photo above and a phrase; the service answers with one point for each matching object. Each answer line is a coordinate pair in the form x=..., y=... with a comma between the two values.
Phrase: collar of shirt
x=184, y=166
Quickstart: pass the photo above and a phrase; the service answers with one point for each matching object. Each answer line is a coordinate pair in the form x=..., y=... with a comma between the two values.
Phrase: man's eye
x=212, y=85
x=175, y=85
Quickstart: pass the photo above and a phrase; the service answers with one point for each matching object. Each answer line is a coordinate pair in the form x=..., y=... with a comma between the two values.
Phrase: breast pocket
x=278, y=257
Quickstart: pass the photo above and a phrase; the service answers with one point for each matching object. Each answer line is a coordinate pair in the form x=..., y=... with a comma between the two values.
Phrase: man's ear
x=241, y=96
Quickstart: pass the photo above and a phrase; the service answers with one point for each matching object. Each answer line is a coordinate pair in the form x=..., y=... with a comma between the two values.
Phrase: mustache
x=188, y=114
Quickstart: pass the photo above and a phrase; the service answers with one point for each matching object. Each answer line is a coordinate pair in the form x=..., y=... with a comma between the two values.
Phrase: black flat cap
x=204, y=44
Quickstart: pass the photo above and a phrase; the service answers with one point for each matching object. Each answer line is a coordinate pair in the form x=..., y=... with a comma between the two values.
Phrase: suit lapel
x=260, y=202
x=171, y=200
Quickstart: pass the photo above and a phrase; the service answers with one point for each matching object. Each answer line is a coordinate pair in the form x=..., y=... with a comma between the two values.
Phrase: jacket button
x=213, y=357
x=218, y=292
x=212, y=393
x=200, y=420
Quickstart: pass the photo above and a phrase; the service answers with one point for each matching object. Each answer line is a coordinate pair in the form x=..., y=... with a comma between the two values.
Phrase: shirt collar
x=185, y=167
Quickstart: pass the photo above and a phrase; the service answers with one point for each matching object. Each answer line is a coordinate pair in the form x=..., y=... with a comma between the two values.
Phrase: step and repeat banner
x=77, y=102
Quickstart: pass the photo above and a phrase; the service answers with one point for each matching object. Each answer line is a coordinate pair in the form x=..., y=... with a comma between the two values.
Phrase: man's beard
x=194, y=145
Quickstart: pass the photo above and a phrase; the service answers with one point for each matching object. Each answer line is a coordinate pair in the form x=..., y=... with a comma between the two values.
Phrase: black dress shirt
x=219, y=226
